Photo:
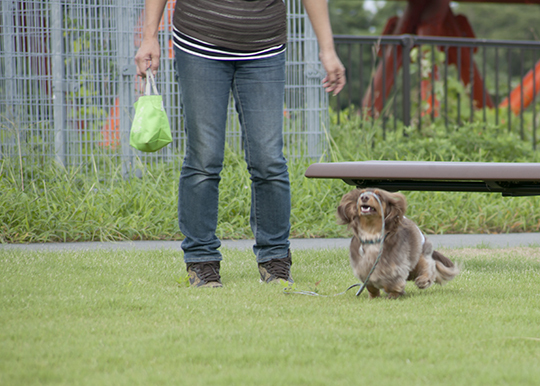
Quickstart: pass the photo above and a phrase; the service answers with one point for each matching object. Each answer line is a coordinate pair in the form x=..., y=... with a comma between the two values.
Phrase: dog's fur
x=407, y=254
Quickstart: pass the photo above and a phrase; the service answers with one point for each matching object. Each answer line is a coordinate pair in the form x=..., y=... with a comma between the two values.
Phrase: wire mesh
x=68, y=83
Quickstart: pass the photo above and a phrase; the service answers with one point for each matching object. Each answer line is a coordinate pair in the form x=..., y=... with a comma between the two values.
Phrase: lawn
x=128, y=318
x=53, y=204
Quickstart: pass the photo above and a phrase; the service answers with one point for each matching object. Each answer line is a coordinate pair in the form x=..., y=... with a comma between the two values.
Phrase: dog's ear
x=347, y=209
x=396, y=206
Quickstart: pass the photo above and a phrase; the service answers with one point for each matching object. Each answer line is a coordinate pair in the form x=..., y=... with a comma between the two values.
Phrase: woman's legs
x=258, y=88
x=205, y=88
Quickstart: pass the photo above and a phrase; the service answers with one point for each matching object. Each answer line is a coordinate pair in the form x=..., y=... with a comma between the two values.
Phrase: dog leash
x=363, y=285
x=290, y=290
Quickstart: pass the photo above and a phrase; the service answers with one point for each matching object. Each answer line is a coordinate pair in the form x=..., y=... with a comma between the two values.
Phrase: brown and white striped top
x=230, y=29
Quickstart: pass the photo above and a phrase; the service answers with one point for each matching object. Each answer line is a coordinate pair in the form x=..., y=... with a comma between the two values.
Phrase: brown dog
x=407, y=254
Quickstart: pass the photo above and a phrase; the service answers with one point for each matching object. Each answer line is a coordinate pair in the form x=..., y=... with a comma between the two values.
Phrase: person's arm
x=317, y=11
x=149, y=52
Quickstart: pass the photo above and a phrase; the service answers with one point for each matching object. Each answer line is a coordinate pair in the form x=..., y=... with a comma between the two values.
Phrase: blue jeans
x=258, y=89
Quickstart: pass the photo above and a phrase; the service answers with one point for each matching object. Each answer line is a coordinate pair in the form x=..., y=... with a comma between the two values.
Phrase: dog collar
x=376, y=241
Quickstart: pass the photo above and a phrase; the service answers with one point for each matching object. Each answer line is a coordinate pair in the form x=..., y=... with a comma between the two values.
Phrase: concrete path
x=439, y=241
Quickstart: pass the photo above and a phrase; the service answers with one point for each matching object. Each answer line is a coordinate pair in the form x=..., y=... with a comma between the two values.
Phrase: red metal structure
x=435, y=18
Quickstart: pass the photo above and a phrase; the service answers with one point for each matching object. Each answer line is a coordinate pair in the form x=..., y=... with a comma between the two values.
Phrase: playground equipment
x=426, y=18
x=436, y=18
x=521, y=97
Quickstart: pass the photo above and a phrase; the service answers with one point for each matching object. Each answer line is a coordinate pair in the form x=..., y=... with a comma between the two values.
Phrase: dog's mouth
x=367, y=209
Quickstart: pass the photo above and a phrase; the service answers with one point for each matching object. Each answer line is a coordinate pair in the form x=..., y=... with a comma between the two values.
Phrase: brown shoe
x=275, y=270
x=204, y=274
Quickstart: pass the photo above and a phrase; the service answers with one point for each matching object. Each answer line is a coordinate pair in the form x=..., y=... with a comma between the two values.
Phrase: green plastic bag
x=150, y=130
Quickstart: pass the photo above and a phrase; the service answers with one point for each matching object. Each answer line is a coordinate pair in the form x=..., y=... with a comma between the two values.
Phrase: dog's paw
x=373, y=292
x=423, y=282
x=396, y=295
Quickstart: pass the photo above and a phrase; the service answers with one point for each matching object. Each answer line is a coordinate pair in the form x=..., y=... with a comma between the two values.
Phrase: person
x=239, y=46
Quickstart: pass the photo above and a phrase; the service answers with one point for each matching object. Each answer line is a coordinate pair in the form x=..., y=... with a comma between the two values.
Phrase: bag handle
x=150, y=81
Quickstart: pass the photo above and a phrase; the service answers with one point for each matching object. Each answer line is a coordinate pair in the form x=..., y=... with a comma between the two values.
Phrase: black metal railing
x=450, y=80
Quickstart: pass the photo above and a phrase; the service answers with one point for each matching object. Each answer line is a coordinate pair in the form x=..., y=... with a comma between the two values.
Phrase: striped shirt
x=209, y=51
x=230, y=29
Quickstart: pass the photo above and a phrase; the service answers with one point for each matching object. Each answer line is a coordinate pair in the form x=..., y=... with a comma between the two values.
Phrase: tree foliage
x=349, y=17
x=505, y=21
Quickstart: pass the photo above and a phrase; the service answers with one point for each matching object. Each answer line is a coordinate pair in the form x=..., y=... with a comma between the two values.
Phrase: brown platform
x=510, y=179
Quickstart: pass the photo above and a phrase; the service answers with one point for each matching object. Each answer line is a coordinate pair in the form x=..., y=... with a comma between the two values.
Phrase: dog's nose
x=364, y=197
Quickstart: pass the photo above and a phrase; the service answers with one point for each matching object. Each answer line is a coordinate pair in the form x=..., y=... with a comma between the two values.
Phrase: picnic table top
x=504, y=177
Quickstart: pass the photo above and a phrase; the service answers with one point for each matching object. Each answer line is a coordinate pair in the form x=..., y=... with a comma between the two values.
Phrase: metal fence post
x=58, y=81
x=312, y=86
x=126, y=70
x=8, y=8
x=407, y=43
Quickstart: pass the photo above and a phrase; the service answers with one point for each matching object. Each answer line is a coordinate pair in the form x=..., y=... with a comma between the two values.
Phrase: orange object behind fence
x=110, y=132
x=531, y=85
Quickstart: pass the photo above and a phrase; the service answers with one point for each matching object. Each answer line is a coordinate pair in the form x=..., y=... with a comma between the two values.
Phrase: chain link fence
x=68, y=83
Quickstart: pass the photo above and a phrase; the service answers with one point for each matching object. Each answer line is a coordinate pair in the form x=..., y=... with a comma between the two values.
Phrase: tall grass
x=64, y=205
x=127, y=317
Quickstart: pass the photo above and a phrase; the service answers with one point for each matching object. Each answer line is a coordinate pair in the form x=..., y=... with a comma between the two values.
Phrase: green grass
x=127, y=317
x=61, y=207
x=67, y=205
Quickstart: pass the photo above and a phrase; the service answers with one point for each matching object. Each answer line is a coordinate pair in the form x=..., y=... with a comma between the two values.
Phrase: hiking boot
x=277, y=269
x=204, y=274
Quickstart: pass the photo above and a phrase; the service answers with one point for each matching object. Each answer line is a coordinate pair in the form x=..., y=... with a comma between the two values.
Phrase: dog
x=406, y=252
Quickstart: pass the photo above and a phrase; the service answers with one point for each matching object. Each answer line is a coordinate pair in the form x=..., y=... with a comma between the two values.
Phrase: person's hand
x=335, y=79
x=148, y=57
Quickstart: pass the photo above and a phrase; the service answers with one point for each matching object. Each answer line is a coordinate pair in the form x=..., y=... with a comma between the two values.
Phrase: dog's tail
x=446, y=270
